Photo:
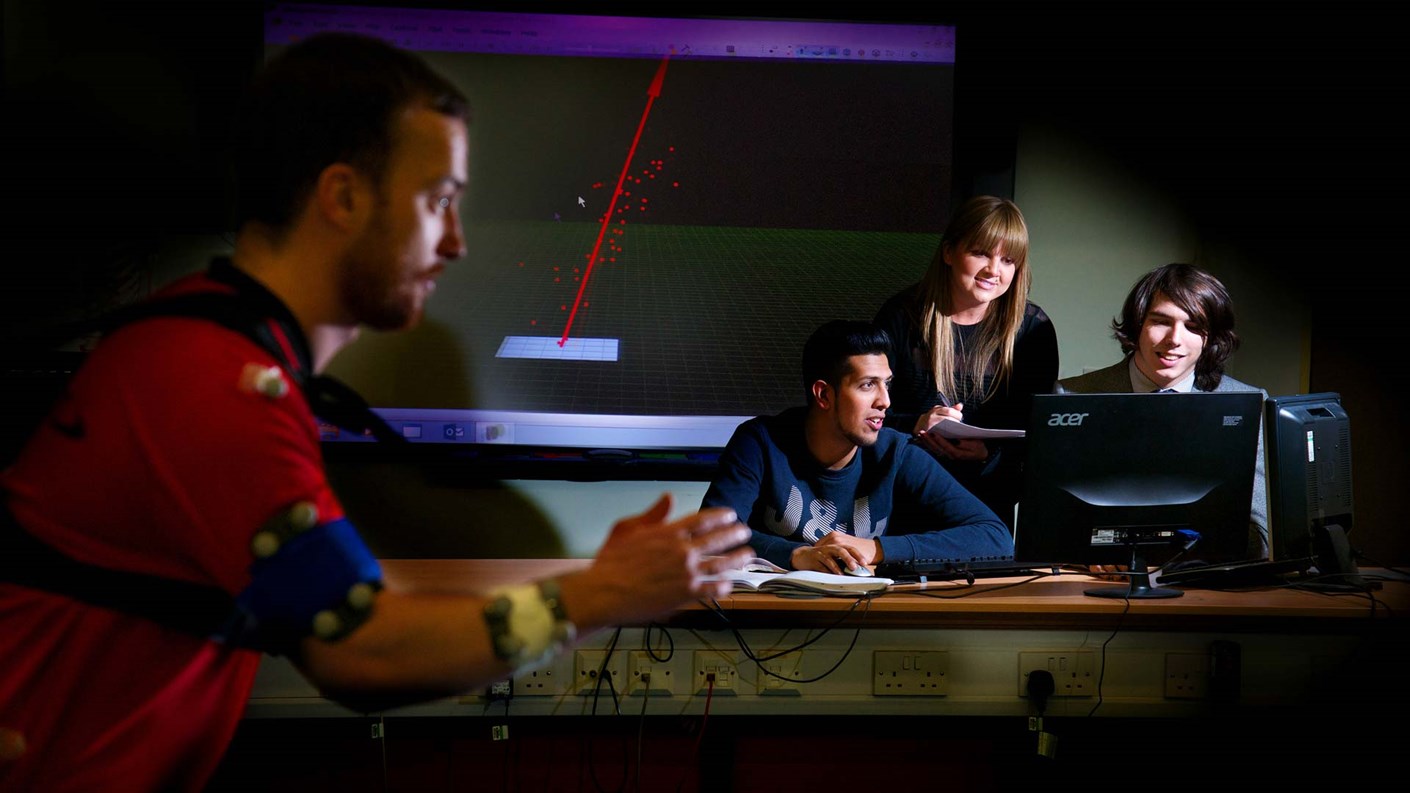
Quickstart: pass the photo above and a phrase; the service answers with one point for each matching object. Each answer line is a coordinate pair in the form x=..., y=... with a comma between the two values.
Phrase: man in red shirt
x=186, y=451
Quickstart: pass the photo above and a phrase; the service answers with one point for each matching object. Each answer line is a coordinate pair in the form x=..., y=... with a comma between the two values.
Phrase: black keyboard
x=949, y=569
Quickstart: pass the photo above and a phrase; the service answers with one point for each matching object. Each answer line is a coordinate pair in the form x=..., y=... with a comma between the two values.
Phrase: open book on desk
x=955, y=430
x=763, y=576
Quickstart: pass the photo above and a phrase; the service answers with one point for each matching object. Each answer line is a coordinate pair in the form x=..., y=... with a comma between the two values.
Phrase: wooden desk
x=1007, y=603
x=1314, y=675
x=1289, y=642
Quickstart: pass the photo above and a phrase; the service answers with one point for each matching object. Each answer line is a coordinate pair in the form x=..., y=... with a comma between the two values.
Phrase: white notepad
x=763, y=576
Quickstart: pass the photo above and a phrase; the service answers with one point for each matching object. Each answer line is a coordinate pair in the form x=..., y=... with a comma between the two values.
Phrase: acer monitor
x=1138, y=479
x=658, y=210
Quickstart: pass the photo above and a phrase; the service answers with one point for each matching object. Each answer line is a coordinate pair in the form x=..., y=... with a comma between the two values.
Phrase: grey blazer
x=1116, y=379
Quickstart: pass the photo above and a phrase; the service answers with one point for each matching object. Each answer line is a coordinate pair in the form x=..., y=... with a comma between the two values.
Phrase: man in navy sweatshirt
x=826, y=487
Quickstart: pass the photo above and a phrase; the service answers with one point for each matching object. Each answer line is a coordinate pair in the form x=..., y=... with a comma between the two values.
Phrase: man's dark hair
x=333, y=97
x=826, y=352
x=1198, y=294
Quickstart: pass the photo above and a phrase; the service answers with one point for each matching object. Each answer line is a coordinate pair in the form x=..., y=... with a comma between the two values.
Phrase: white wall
x=585, y=511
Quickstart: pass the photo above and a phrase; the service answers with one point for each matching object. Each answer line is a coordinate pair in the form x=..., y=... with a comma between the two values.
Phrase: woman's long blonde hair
x=981, y=223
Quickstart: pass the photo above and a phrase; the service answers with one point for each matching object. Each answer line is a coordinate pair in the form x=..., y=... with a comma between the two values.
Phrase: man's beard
x=372, y=288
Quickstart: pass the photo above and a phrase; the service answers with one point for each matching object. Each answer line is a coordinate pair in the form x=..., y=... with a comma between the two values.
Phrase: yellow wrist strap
x=528, y=623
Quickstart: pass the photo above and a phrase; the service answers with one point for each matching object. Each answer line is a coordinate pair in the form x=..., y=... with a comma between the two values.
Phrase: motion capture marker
x=302, y=516
x=360, y=596
x=335, y=623
x=327, y=624
x=266, y=380
x=272, y=384
x=264, y=545
x=506, y=645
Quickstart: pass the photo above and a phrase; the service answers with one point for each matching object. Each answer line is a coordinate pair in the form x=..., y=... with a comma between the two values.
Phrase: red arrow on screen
x=651, y=94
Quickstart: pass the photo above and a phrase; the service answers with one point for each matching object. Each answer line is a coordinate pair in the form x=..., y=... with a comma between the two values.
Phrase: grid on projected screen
x=546, y=348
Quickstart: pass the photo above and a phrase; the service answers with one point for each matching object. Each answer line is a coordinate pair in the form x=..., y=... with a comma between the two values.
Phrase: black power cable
x=1041, y=686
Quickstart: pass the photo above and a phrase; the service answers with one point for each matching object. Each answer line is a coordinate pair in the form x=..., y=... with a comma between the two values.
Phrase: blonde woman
x=967, y=345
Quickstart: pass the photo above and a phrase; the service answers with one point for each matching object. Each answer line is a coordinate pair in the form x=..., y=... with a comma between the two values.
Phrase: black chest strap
x=201, y=609
x=254, y=312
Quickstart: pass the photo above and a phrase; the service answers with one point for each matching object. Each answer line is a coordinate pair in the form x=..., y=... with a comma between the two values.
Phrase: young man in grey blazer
x=1177, y=330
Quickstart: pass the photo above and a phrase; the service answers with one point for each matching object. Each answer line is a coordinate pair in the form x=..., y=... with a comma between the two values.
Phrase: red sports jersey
x=163, y=458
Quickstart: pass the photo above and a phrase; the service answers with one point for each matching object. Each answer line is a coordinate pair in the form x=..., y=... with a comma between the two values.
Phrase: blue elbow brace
x=308, y=578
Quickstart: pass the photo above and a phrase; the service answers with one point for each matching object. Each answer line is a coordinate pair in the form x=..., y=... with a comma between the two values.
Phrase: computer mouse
x=860, y=570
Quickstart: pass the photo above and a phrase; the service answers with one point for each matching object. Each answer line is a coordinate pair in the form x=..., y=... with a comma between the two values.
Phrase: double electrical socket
x=648, y=677
x=1074, y=671
x=910, y=673
x=590, y=676
x=542, y=682
x=715, y=674
x=1186, y=675
x=778, y=677
x=630, y=673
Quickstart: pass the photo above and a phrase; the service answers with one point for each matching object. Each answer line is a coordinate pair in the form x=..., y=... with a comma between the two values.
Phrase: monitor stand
x=1336, y=563
x=1139, y=587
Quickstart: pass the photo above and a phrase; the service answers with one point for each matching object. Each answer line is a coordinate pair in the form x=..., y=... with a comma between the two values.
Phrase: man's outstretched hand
x=648, y=568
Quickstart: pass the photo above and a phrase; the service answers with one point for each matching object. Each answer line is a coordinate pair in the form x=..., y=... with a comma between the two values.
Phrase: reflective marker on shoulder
x=303, y=515
x=266, y=380
x=264, y=545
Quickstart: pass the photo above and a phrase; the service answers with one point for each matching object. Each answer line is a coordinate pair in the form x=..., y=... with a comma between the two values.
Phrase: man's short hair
x=1197, y=293
x=826, y=353
x=333, y=97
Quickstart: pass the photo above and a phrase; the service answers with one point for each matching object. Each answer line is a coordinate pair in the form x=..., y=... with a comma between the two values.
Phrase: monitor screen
x=1309, y=474
x=660, y=210
x=1104, y=470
